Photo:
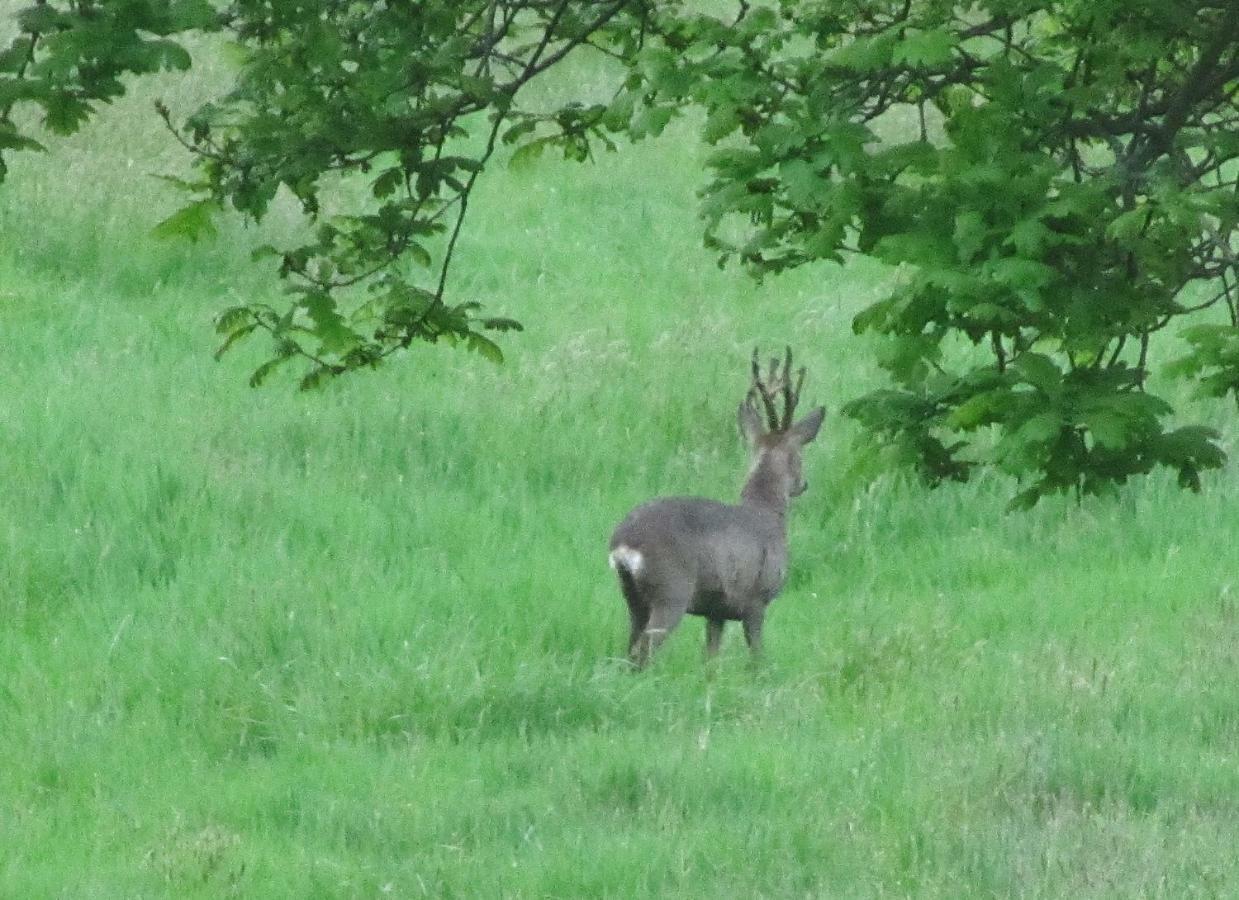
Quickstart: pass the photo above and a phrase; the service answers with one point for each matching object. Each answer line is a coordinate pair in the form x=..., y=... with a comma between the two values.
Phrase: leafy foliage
x=412, y=99
x=1069, y=177
x=69, y=56
x=1053, y=182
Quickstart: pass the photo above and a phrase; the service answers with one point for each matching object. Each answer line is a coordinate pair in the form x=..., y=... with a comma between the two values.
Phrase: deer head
x=776, y=442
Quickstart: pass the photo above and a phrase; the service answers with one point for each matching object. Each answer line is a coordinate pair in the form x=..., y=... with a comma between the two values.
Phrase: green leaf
x=387, y=182
x=284, y=351
x=877, y=316
x=525, y=155
x=238, y=334
x=42, y=18
x=1027, y=447
x=1108, y=428
x=519, y=130
x=864, y=54
x=1195, y=444
x=260, y=374
x=477, y=87
x=805, y=188
x=1190, y=449
x=329, y=326
x=484, y=346
x=315, y=378
x=191, y=222
x=420, y=255
x=1039, y=429
x=14, y=58
x=1028, y=237
x=721, y=121
x=193, y=14
x=907, y=357
x=651, y=121
x=969, y=234
x=980, y=409
x=926, y=49
x=170, y=55
x=63, y=113
x=1019, y=273
x=618, y=115
x=1025, y=499
x=499, y=323
x=918, y=157
x=264, y=251
x=1214, y=358
x=1128, y=226
x=1039, y=371
x=920, y=248
x=11, y=139
x=230, y=318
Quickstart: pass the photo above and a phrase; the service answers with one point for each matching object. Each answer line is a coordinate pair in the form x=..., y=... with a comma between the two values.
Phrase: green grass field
x=364, y=642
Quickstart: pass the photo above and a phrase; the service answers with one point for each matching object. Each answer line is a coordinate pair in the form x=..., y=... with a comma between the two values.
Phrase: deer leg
x=752, y=630
x=714, y=636
x=638, y=617
x=662, y=621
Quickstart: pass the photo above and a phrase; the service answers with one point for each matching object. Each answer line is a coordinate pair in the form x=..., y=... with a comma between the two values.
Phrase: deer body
x=724, y=562
x=719, y=559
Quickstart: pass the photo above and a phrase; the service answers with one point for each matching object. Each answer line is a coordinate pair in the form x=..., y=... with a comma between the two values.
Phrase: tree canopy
x=1056, y=183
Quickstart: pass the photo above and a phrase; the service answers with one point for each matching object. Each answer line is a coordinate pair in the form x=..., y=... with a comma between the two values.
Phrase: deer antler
x=777, y=381
x=791, y=395
x=761, y=389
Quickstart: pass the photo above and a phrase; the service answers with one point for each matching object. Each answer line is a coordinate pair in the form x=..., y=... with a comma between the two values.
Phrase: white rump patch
x=627, y=558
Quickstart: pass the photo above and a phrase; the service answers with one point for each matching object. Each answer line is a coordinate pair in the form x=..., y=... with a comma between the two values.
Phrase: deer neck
x=765, y=490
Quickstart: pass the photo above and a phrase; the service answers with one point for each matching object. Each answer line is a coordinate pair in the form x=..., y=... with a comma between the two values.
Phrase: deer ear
x=750, y=423
x=806, y=429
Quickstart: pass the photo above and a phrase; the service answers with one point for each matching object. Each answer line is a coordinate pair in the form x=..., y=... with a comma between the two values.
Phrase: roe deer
x=678, y=555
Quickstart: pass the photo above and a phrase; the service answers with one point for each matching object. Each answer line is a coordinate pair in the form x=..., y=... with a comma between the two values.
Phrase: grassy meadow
x=364, y=642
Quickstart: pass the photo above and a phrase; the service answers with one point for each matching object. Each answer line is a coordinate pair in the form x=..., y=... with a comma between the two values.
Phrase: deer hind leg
x=714, y=636
x=664, y=616
x=638, y=616
x=753, y=622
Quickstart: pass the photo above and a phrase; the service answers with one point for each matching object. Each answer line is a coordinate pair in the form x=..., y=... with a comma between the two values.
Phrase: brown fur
x=724, y=562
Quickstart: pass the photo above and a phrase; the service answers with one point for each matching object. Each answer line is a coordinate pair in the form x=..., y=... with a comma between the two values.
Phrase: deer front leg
x=714, y=636
x=753, y=622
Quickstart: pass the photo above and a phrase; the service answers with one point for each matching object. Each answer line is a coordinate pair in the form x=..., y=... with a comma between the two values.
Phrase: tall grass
x=255, y=643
